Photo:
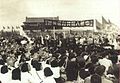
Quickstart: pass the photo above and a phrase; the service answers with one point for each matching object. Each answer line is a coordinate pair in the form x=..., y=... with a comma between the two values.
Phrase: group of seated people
x=36, y=63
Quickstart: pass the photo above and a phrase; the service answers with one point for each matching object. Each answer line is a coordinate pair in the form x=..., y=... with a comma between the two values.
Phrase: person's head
x=84, y=73
x=116, y=71
x=92, y=69
x=25, y=67
x=2, y=62
x=114, y=59
x=81, y=62
x=94, y=59
x=38, y=66
x=48, y=72
x=10, y=61
x=34, y=63
x=100, y=70
x=54, y=63
x=16, y=74
x=96, y=79
x=4, y=69
x=104, y=54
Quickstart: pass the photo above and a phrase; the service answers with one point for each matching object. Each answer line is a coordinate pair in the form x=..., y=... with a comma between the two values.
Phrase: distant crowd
x=61, y=60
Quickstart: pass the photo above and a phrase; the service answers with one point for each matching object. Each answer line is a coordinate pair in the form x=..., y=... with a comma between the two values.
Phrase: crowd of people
x=62, y=60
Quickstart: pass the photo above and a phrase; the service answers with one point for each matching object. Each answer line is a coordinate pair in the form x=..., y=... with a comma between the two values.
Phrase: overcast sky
x=13, y=12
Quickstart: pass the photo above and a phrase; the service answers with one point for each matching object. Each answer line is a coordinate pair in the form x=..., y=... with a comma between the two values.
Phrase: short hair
x=16, y=74
x=96, y=79
x=114, y=59
x=116, y=71
x=34, y=63
x=4, y=69
x=81, y=62
x=84, y=73
x=54, y=63
x=24, y=67
x=38, y=66
x=48, y=72
x=100, y=70
x=92, y=69
x=2, y=62
x=94, y=59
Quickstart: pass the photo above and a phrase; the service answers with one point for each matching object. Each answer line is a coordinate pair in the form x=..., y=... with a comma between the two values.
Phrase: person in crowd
x=56, y=70
x=48, y=76
x=16, y=76
x=36, y=71
x=95, y=79
x=48, y=62
x=105, y=61
x=100, y=70
x=71, y=69
x=91, y=69
x=1, y=63
x=5, y=75
x=26, y=76
x=113, y=70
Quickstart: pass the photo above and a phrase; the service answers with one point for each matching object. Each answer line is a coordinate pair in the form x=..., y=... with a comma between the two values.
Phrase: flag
x=8, y=27
x=109, y=21
x=98, y=25
x=12, y=27
x=110, y=24
x=3, y=27
x=17, y=27
x=71, y=32
x=104, y=22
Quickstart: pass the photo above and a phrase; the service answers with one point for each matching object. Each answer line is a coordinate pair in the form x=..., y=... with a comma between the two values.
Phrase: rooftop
x=40, y=19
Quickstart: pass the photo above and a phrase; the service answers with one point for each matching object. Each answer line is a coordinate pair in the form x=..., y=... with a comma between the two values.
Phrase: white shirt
x=56, y=72
x=44, y=65
x=27, y=78
x=106, y=62
x=35, y=75
x=41, y=74
x=5, y=78
x=49, y=79
x=15, y=81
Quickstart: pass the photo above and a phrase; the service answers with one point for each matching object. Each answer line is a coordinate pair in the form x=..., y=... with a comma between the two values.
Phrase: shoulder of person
x=104, y=80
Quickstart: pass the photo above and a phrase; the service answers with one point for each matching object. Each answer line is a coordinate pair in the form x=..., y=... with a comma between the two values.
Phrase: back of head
x=100, y=70
x=116, y=70
x=114, y=59
x=48, y=72
x=16, y=74
x=25, y=67
x=4, y=69
x=33, y=63
x=92, y=69
x=81, y=62
x=96, y=79
x=84, y=73
x=38, y=66
x=54, y=63
x=94, y=59
x=2, y=62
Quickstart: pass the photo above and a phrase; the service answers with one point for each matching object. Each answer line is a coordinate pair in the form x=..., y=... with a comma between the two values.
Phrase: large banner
x=67, y=23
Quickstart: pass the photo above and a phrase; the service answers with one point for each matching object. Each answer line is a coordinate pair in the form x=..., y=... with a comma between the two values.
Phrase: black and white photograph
x=59, y=41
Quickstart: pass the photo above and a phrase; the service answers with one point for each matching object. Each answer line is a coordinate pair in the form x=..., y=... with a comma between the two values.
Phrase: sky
x=14, y=12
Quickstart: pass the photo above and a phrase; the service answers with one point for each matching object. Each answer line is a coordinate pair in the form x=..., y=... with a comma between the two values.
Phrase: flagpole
x=54, y=31
x=94, y=27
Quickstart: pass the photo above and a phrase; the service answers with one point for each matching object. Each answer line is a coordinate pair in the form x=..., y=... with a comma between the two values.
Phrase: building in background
x=37, y=23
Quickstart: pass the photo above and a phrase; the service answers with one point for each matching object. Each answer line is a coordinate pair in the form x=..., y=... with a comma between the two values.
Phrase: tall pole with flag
x=12, y=29
x=104, y=24
x=54, y=32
